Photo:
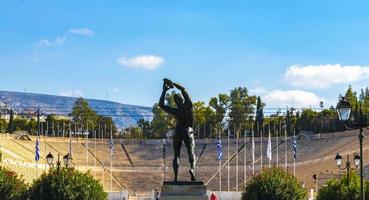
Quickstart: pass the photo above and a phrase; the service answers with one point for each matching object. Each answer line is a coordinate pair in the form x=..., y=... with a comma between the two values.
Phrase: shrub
x=274, y=184
x=338, y=190
x=66, y=183
x=12, y=187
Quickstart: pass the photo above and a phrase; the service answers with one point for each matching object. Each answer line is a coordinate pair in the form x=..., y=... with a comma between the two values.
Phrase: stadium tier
x=139, y=165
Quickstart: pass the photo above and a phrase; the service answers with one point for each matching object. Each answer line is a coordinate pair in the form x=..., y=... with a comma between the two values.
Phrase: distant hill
x=123, y=115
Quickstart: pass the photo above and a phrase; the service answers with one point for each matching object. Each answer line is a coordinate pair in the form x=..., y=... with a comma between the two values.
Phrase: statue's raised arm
x=184, y=93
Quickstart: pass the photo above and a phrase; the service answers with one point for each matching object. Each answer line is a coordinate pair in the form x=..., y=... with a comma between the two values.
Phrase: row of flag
x=269, y=148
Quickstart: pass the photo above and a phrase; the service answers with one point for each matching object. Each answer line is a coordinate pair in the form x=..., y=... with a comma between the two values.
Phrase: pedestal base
x=183, y=191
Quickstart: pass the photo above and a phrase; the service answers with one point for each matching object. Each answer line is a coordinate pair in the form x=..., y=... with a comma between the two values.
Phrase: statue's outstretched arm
x=184, y=93
x=162, y=101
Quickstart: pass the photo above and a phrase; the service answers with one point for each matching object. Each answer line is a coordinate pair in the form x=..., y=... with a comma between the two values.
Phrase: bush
x=67, y=183
x=274, y=184
x=12, y=187
x=338, y=190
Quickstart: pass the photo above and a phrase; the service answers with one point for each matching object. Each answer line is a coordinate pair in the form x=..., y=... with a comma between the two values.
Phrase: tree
x=83, y=113
x=11, y=127
x=338, y=190
x=107, y=124
x=350, y=96
x=220, y=105
x=274, y=184
x=241, y=106
x=66, y=183
x=204, y=119
x=3, y=125
x=146, y=128
x=12, y=187
x=259, y=119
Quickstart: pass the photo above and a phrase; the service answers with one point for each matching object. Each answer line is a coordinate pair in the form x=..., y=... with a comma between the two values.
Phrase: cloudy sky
x=292, y=53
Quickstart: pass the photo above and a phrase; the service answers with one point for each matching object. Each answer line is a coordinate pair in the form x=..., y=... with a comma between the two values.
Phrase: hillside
x=123, y=115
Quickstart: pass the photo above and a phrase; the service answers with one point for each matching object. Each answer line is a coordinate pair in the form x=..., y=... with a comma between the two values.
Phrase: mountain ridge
x=124, y=115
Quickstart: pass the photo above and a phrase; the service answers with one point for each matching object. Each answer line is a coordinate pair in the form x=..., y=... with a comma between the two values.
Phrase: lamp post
x=348, y=167
x=67, y=160
x=344, y=114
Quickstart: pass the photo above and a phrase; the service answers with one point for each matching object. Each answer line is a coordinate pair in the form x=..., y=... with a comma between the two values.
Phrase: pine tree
x=11, y=127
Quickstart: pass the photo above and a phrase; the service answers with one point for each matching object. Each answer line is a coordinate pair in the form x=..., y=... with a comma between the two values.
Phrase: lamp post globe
x=357, y=159
x=343, y=110
x=50, y=158
x=67, y=159
x=338, y=159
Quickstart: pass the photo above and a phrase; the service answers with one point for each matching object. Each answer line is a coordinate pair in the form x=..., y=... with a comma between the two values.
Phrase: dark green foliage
x=67, y=183
x=11, y=126
x=242, y=105
x=82, y=112
x=274, y=184
x=3, y=125
x=259, y=120
x=220, y=105
x=145, y=126
x=338, y=190
x=11, y=186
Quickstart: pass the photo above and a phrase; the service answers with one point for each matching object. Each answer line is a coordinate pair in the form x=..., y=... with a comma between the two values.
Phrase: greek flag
x=37, y=153
x=219, y=145
x=111, y=147
x=294, y=147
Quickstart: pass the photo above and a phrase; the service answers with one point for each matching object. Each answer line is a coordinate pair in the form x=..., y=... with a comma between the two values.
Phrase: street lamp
x=67, y=160
x=348, y=165
x=49, y=158
x=344, y=113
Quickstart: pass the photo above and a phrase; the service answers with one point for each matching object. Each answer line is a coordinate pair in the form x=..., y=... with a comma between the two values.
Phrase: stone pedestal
x=183, y=191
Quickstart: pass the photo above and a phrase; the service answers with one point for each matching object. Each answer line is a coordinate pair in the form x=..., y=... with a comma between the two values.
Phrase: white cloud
x=147, y=62
x=58, y=40
x=71, y=93
x=82, y=31
x=322, y=76
x=296, y=98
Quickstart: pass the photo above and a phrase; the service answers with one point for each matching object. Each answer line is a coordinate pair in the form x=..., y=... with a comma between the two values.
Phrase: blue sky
x=293, y=53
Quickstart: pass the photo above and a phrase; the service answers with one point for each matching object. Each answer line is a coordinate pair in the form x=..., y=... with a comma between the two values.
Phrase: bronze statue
x=183, y=131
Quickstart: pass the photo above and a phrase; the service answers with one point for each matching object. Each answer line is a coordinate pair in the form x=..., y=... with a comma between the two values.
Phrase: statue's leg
x=190, y=145
x=177, y=143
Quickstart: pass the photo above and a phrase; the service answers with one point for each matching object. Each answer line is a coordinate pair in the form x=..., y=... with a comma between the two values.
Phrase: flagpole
x=261, y=149
x=294, y=154
x=87, y=142
x=94, y=135
x=37, y=140
x=70, y=139
x=220, y=166
x=236, y=134
x=47, y=132
x=244, y=155
x=253, y=148
x=220, y=155
x=269, y=146
x=229, y=132
x=277, y=132
x=111, y=156
x=285, y=146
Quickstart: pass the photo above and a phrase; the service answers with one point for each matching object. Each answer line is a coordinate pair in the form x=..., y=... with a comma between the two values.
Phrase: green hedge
x=67, y=183
x=12, y=187
x=338, y=190
x=274, y=184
